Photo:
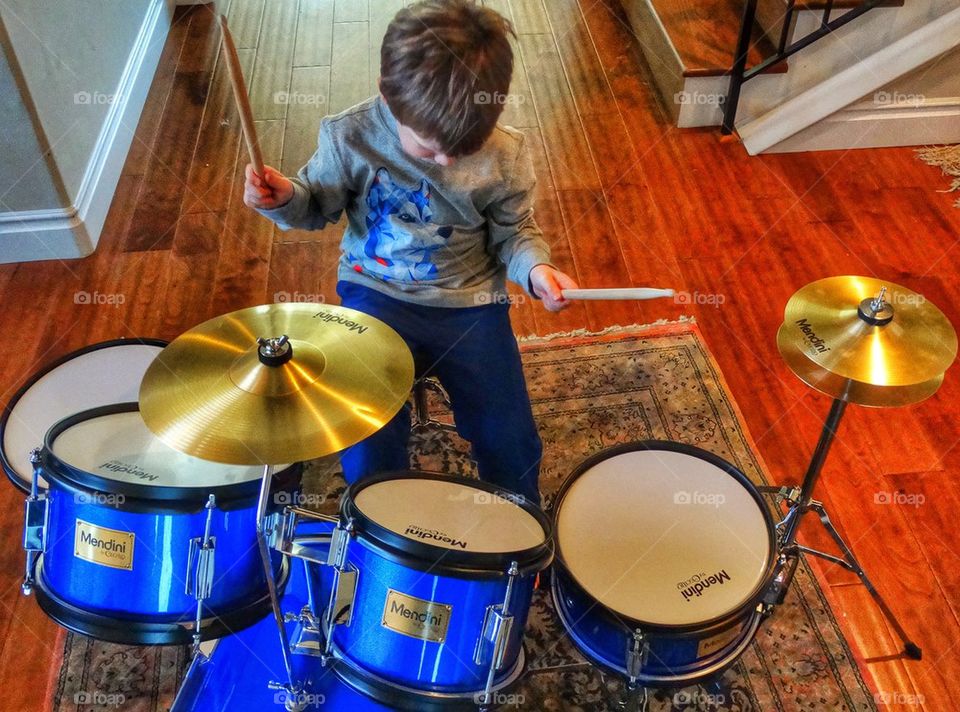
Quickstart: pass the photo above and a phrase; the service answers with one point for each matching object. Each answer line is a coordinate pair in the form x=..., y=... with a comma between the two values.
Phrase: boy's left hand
x=548, y=284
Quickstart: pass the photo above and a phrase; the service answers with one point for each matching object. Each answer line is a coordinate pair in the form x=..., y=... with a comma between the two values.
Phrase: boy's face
x=419, y=147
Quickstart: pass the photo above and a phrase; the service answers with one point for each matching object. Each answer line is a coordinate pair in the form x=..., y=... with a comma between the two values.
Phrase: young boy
x=439, y=200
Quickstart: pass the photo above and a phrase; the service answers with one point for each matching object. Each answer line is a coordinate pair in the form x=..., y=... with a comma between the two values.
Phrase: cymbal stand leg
x=800, y=502
x=294, y=698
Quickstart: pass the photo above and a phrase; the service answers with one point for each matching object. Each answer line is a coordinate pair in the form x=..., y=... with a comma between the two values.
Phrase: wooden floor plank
x=311, y=88
x=350, y=70
x=245, y=18
x=314, y=43
x=564, y=140
x=272, y=70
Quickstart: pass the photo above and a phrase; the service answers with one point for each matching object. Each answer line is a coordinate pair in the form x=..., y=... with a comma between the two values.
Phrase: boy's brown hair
x=446, y=67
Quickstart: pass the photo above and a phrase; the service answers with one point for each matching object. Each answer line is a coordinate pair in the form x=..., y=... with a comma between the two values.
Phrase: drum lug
x=637, y=655
x=492, y=644
x=279, y=530
x=340, y=611
x=36, y=514
x=200, y=568
x=338, y=545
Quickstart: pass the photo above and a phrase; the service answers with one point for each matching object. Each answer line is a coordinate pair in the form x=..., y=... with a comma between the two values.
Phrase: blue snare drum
x=433, y=581
x=122, y=528
x=664, y=553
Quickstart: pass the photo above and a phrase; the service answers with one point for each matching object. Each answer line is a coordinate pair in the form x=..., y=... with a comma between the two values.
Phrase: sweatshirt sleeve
x=514, y=234
x=320, y=190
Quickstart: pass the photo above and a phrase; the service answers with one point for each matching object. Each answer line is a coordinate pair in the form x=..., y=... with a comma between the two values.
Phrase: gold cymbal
x=909, y=342
x=858, y=392
x=218, y=394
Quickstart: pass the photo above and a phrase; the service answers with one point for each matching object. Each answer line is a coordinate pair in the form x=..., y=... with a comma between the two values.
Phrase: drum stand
x=800, y=502
x=294, y=693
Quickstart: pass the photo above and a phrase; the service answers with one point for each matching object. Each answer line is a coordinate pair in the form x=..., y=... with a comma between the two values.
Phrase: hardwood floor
x=624, y=199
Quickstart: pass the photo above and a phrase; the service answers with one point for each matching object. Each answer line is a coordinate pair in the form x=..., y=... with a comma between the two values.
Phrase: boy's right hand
x=266, y=192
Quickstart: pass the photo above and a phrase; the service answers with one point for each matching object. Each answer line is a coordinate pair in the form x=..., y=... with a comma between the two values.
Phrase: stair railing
x=740, y=74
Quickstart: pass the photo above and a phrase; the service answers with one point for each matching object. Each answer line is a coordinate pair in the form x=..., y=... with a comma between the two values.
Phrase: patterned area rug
x=589, y=392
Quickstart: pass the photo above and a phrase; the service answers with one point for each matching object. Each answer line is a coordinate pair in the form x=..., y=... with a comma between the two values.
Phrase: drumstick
x=241, y=97
x=615, y=294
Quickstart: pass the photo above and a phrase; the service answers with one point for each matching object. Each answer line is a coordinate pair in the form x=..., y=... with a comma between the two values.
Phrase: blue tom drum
x=433, y=579
x=664, y=554
x=131, y=533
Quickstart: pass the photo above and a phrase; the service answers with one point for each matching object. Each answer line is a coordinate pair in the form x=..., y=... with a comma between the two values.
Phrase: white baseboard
x=923, y=124
x=73, y=232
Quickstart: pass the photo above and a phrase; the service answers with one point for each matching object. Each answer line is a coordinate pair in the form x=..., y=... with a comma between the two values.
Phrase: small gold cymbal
x=858, y=392
x=908, y=344
x=276, y=384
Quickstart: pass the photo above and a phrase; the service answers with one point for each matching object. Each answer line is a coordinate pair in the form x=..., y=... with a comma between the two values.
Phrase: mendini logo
x=815, y=341
x=436, y=535
x=702, y=583
x=336, y=318
x=129, y=469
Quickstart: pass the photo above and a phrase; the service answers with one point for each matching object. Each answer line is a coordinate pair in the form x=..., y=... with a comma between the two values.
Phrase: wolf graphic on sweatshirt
x=401, y=236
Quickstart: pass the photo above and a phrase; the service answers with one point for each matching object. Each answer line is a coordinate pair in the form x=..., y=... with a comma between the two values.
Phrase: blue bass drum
x=664, y=554
x=119, y=537
x=236, y=673
x=432, y=585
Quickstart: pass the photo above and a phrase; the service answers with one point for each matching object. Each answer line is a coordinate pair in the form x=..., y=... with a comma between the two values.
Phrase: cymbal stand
x=800, y=502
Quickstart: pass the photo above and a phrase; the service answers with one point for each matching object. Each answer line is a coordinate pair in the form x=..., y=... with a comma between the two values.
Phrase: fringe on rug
x=947, y=159
x=616, y=329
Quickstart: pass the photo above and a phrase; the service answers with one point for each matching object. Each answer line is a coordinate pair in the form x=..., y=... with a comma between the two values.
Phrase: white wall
x=84, y=68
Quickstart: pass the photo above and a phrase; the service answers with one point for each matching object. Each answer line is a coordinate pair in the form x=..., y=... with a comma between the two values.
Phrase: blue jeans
x=473, y=353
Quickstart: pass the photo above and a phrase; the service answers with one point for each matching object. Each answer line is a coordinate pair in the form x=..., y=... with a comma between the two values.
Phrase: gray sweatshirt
x=434, y=235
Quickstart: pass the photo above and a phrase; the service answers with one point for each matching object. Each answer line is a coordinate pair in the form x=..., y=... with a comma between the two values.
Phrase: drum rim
x=762, y=586
x=45, y=370
x=420, y=554
x=174, y=499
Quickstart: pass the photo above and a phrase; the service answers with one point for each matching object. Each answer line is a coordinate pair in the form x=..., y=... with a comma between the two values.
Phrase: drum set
x=163, y=485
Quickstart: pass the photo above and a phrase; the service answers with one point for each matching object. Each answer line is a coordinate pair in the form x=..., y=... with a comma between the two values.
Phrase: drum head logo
x=696, y=586
x=435, y=535
x=425, y=620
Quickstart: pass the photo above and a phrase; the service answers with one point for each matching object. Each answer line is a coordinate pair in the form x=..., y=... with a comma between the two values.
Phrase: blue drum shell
x=422, y=664
x=674, y=657
x=155, y=587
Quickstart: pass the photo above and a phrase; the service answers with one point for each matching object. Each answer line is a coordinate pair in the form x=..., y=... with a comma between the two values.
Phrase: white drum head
x=450, y=515
x=93, y=378
x=663, y=537
x=121, y=448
